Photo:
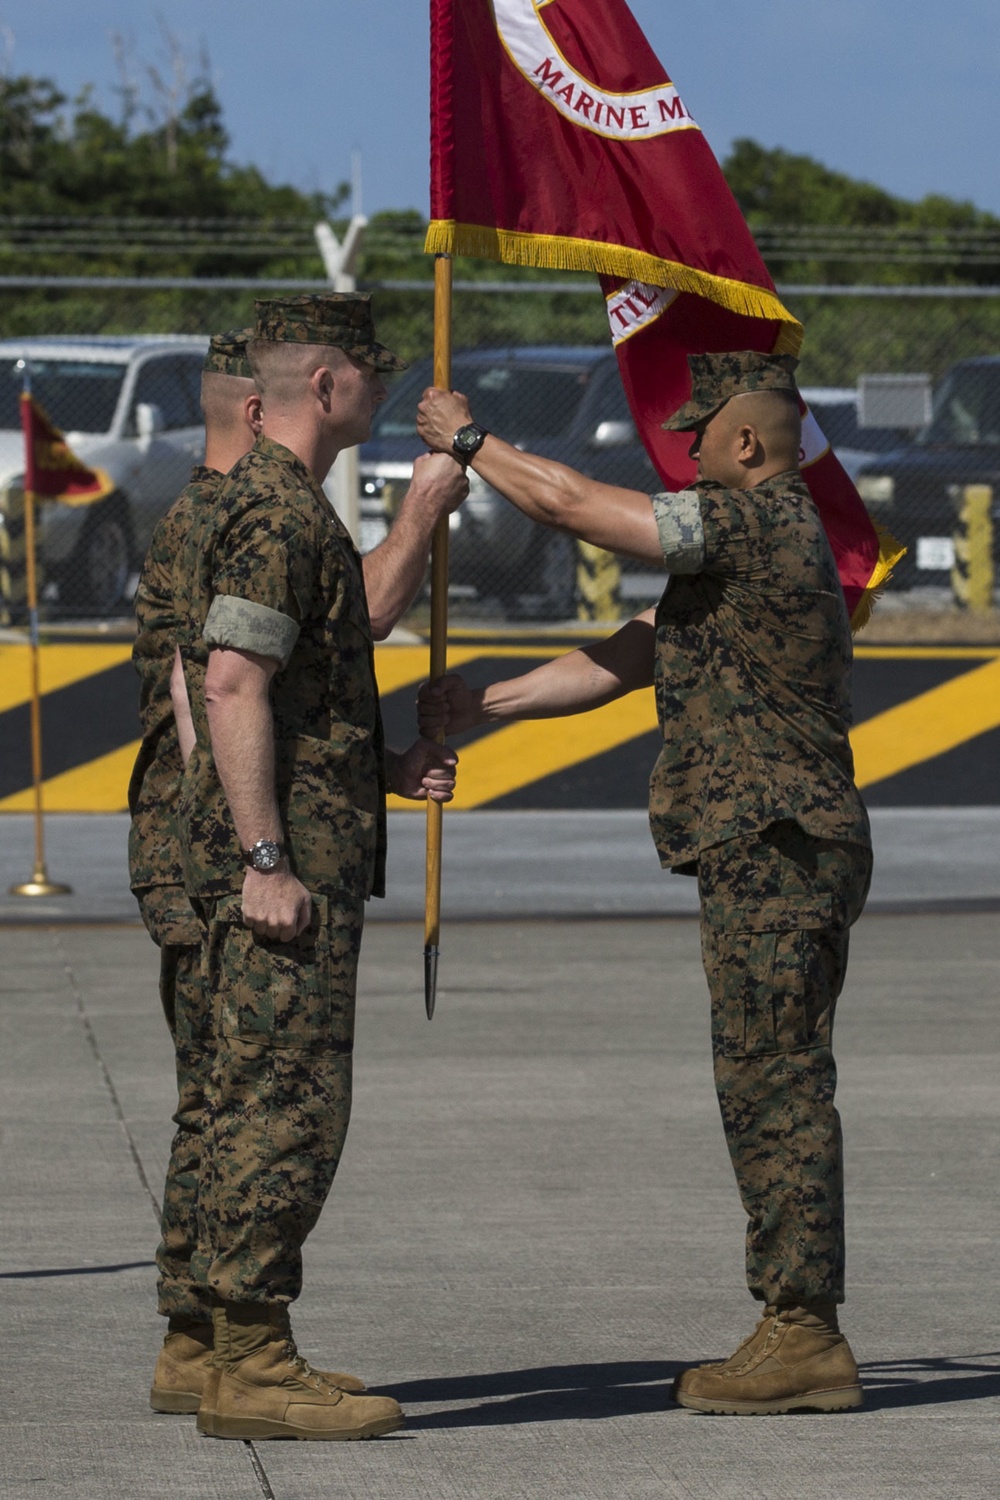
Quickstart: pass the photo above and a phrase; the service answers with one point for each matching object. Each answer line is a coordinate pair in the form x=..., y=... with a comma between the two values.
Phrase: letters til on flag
x=558, y=140
x=52, y=470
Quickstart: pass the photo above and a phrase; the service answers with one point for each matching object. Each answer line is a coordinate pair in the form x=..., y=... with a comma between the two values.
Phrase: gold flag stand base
x=40, y=885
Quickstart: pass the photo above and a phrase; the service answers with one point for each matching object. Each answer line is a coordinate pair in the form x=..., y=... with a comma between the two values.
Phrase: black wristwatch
x=265, y=856
x=467, y=441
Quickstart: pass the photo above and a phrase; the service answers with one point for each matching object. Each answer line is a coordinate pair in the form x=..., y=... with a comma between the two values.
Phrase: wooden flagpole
x=439, y=639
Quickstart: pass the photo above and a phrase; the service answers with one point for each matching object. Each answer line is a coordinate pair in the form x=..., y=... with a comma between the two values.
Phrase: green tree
x=816, y=225
x=67, y=169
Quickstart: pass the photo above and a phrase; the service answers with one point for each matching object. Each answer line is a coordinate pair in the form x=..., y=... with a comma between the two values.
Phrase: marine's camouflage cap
x=716, y=377
x=227, y=353
x=343, y=319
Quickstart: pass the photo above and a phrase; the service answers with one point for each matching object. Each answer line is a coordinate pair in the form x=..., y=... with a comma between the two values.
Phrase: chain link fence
x=115, y=363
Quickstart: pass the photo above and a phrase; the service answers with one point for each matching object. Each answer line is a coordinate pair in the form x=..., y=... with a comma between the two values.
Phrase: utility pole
x=339, y=261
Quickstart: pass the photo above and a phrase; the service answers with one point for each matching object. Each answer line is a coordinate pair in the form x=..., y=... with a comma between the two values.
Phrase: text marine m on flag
x=625, y=117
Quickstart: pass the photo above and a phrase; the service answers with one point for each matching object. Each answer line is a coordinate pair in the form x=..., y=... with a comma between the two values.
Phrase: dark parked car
x=915, y=490
x=567, y=404
x=564, y=403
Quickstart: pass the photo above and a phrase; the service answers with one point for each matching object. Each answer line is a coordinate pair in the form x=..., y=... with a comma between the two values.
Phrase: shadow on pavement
x=125, y=1265
x=562, y=1393
x=556, y=1393
x=905, y=1382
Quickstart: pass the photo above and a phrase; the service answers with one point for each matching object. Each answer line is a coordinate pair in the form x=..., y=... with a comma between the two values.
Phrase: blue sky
x=902, y=93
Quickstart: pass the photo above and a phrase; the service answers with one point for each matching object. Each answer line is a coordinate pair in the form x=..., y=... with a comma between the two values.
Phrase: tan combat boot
x=263, y=1388
x=184, y=1367
x=796, y=1359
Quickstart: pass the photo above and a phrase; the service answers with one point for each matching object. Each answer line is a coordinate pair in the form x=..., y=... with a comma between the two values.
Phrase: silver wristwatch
x=264, y=856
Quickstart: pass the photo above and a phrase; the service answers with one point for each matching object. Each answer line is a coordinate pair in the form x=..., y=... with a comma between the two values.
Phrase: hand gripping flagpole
x=39, y=884
x=439, y=639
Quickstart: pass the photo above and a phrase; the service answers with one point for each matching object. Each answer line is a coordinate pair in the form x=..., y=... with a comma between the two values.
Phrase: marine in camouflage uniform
x=753, y=792
x=272, y=576
x=155, y=871
x=277, y=574
x=157, y=880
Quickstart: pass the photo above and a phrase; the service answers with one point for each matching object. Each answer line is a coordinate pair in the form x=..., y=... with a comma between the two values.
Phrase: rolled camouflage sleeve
x=682, y=532
x=242, y=625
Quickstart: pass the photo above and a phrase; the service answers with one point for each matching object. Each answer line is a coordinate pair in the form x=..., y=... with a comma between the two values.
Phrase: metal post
x=598, y=583
x=339, y=261
x=972, y=575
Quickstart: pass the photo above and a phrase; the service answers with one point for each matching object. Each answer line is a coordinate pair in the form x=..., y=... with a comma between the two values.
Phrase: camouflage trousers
x=174, y=927
x=775, y=916
x=279, y=1095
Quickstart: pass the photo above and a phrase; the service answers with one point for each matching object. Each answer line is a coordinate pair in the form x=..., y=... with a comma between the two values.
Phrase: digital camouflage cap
x=343, y=319
x=227, y=353
x=717, y=377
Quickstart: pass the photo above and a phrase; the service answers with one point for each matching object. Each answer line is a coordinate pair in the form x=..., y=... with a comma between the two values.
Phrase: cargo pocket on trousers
x=272, y=993
x=771, y=994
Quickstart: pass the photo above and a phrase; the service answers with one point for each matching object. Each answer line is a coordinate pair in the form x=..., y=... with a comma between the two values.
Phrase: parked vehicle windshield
x=77, y=396
x=522, y=402
x=966, y=408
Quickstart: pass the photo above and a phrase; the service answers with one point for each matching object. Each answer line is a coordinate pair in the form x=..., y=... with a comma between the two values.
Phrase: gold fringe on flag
x=562, y=253
x=889, y=553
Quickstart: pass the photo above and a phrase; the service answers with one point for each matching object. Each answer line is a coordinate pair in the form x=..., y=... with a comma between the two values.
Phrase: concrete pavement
x=534, y=1226
x=527, y=864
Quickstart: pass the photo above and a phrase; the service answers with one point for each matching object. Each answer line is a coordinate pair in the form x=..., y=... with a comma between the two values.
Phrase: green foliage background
x=154, y=193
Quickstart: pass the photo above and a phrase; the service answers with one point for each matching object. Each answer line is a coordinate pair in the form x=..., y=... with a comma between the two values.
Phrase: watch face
x=468, y=439
x=265, y=854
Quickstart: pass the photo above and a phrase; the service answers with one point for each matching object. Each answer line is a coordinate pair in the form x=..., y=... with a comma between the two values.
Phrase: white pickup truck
x=130, y=406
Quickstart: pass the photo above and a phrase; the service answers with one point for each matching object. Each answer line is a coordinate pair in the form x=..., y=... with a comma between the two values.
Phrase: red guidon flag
x=557, y=139
x=52, y=470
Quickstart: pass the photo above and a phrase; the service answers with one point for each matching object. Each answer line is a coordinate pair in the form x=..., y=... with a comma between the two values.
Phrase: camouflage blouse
x=153, y=848
x=753, y=672
x=272, y=570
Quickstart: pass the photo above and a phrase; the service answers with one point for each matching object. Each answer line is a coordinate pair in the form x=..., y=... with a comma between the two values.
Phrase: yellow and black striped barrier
x=928, y=730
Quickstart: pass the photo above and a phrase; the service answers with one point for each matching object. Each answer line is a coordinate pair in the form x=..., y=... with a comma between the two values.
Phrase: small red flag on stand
x=558, y=140
x=52, y=470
